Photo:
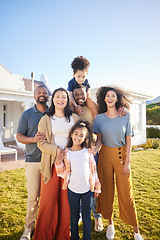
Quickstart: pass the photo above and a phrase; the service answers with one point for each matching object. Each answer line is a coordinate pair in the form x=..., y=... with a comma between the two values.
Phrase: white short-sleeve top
x=80, y=171
x=60, y=129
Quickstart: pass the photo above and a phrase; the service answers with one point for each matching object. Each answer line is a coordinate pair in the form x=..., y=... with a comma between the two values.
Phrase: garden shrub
x=148, y=145
x=155, y=145
x=153, y=115
x=153, y=132
x=134, y=147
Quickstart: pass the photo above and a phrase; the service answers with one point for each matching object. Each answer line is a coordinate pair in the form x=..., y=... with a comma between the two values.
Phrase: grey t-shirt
x=113, y=130
x=28, y=126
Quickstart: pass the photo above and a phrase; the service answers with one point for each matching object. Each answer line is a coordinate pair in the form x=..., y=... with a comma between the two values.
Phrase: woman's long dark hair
x=89, y=141
x=124, y=99
x=67, y=110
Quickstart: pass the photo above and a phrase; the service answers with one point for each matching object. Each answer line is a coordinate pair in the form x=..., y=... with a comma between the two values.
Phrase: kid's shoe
x=110, y=232
x=137, y=236
x=98, y=225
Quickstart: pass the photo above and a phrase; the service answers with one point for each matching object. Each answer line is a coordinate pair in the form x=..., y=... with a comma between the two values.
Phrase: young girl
x=81, y=177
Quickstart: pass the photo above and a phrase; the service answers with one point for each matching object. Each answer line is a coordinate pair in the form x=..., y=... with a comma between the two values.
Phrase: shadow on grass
x=94, y=235
x=14, y=236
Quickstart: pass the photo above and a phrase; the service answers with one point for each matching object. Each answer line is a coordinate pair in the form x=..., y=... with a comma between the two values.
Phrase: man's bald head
x=41, y=94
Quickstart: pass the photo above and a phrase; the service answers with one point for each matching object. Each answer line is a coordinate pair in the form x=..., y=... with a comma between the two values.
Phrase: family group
x=74, y=147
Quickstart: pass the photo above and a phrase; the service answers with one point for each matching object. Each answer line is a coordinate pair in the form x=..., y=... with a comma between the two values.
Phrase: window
x=136, y=116
x=4, y=116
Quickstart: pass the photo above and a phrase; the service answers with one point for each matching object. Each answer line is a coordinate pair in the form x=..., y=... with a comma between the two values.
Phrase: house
x=16, y=95
x=138, y=114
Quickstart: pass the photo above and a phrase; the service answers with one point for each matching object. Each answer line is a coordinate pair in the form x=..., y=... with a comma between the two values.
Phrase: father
x=28, y=134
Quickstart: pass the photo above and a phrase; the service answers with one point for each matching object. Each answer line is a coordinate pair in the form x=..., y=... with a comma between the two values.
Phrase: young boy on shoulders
x=80, y=67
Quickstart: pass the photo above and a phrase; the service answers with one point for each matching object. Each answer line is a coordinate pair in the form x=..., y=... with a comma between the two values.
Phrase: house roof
x=15, y=84
x=28, y=85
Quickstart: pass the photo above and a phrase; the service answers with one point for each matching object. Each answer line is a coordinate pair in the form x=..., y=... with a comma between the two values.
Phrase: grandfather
x=28, y=134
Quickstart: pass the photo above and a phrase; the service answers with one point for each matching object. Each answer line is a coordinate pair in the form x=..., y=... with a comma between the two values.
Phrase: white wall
x=13, y=112
x=9, y=80
x=15, y=105
x=138, y=116
x=155, y=126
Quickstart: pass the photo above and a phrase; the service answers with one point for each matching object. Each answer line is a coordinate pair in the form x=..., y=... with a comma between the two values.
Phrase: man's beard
x=81, y=104
x=42, y=102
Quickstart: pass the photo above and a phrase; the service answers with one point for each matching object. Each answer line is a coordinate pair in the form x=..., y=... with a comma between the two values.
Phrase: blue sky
x=120, y=38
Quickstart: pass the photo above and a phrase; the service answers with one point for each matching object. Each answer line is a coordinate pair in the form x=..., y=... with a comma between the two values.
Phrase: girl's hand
x=96, y=194
x=60, y=155
x=126, y=168
x=93, y=150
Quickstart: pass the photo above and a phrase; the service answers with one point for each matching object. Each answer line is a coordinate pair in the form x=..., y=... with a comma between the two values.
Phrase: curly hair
x=89, y=140
x=124, y=99
x=67, y=110
x=80, y=63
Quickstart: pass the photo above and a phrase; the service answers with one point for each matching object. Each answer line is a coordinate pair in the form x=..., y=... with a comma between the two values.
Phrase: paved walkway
x=8, y=162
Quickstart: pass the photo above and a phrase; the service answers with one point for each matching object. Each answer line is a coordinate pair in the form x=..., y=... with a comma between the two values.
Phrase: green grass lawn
x=146, y=187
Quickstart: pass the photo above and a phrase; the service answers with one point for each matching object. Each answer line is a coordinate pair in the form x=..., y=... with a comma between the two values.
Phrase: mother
x=114, y=132
x=54, y=214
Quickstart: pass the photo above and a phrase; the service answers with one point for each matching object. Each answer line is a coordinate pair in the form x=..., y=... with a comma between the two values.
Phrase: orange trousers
x=111, y=162
x=54, y=213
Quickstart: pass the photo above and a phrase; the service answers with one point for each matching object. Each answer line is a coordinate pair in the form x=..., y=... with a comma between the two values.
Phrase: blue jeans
x=94, y=205
x=86, y=204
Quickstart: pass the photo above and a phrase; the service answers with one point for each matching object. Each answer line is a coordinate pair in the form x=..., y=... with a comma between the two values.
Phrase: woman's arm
x=97, y=144
x=72, y=99
x=27, y=140
x=126, y=167
x=46, y=145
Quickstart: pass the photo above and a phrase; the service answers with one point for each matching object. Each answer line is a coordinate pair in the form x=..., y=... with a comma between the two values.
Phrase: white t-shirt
x=60, y=129
x=80, y=171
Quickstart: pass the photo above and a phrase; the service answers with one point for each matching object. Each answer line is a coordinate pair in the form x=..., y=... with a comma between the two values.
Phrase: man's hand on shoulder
x=122, y=111
x=39, y=136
